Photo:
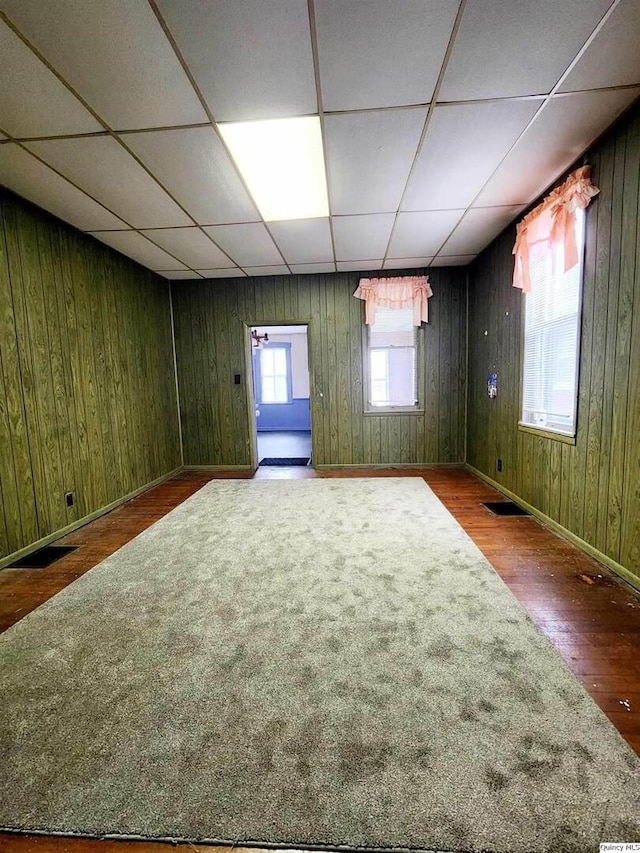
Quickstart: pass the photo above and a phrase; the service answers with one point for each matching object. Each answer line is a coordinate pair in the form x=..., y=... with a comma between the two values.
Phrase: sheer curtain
x=411, y=291
x=550, y=229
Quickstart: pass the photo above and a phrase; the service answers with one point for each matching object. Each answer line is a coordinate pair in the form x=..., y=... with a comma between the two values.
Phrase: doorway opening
x=280, y=369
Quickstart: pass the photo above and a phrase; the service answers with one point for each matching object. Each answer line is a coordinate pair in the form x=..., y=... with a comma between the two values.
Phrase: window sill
x=374, y=413
x=547, y=433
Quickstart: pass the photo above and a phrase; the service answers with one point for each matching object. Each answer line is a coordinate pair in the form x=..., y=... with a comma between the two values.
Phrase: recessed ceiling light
x=282, y=163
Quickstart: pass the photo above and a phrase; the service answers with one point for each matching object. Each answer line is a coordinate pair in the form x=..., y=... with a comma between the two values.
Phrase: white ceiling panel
x=357, y=237
x=372, y=56
x=231, y=273
x=251, y=59
x=422, y=234
x=406, y=263
x=106, y=171
x=303, y=241
x=516, y=48
x=137, y=247
x=248, y=245
x=193, y=165
x=452, y=260
x=477, y=229
x=356, y=266
x=178, y=275
x=462, y=148
x=272, y=270
x=191, y=246
x=369, y=157
x=613, y=57
x=33, y=102
x=31, y=179
x=115, y=55
x=564, y=129
x=311, y=268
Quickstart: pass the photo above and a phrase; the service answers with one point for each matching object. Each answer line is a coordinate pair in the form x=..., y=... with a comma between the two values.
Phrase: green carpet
x=311, y=662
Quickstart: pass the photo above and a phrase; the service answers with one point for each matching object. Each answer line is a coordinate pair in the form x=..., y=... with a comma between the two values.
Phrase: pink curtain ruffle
x=551, y=226
x=411, y=291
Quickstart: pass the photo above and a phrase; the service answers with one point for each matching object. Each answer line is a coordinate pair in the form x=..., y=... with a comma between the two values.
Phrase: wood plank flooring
x=591, y=617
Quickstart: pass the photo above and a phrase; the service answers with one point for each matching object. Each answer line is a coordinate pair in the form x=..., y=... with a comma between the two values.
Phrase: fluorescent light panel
x=282, y=163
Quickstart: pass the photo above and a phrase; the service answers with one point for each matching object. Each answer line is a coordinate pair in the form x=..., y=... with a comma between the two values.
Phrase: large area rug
x=312, y=663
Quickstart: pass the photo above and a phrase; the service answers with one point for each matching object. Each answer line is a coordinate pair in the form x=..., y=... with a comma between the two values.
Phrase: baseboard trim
x=553, y=525
x=390, y=465
x=86, y=519
x=218, y=468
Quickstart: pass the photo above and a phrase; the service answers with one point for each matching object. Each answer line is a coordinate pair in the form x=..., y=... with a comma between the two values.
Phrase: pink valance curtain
x=551, y=226
x=410, y=291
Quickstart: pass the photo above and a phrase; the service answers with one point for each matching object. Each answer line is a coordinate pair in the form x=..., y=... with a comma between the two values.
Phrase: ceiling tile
x=359, y=45
x=406, y=263
x=138, y=248
x=273, y=270
x=358, y=237
x=31, y=179
x=115, y=55
x=106, y=171
x=303, y=241
x=369, y=156
x=462, y=147
x=478, y=228
x=231, y=273
x=194, y=166
x=506, y=49
x=251, y=59
x=191, y=246
x=619, y=38
x=248, y=245
x=178, y=275
x=33, y=102
x=565, y=128
x=422, y=234
x=356, y=266
x=452, y=260
x=312, y=268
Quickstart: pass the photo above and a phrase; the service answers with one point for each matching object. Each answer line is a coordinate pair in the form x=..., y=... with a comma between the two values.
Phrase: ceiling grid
x=439, y=125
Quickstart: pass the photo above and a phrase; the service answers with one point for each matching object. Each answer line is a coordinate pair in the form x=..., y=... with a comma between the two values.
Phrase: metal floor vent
x=505, y=508
x=43, y=557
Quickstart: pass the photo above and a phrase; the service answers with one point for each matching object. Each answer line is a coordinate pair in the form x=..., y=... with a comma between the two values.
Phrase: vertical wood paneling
x=591, y=488
x=87, y=390
x=209, y=318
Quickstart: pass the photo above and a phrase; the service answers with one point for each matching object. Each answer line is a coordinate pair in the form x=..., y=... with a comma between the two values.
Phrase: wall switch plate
x=68, y=499
x=499, y=465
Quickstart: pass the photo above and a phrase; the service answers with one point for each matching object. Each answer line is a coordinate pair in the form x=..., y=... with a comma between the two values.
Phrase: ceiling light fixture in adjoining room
x=282, y=163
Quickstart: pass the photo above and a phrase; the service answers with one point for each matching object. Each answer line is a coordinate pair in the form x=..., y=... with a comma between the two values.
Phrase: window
x=552, y=341
x=272, y=370
x=392, y=360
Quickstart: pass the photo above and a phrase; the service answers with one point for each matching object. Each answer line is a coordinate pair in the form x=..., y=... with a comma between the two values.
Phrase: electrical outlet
x=68, y=498
x=499, y=465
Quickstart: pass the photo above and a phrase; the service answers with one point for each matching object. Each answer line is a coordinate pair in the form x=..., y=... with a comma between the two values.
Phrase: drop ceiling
x=441, y=120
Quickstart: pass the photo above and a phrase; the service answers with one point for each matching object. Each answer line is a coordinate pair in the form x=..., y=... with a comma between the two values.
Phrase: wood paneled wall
x=593, y=488
x=210, y=343
x=87, y=382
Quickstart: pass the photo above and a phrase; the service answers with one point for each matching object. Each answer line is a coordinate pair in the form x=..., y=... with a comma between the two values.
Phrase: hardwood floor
x=590, y=616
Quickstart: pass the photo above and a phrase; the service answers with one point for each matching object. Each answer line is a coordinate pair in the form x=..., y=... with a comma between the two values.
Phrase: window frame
x=564, y=436
x=375, y=411
x=257, y=372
